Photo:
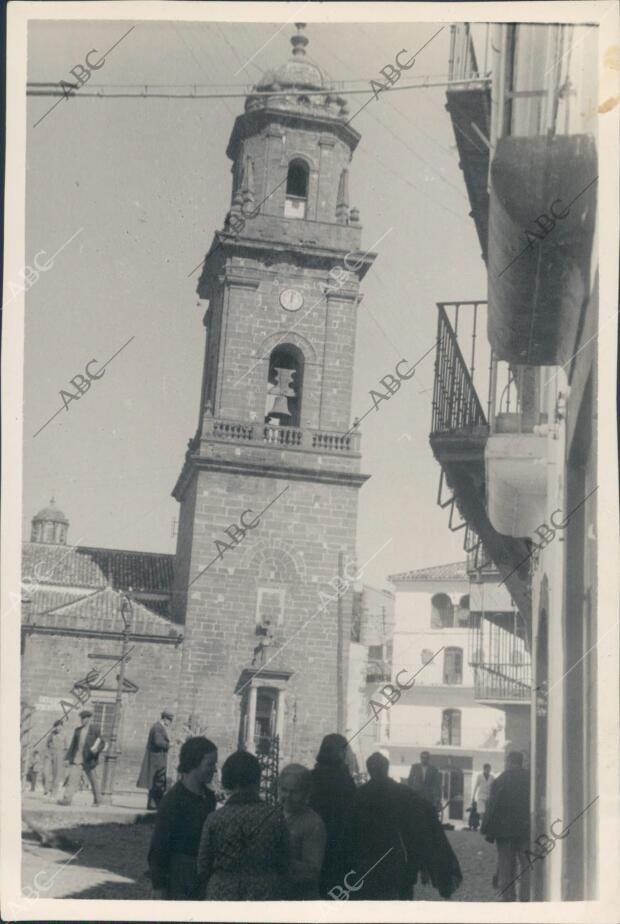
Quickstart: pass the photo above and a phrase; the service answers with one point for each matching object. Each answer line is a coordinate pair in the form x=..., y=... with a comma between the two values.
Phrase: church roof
x=454, y=571
x=100, y=609
x=83, y=566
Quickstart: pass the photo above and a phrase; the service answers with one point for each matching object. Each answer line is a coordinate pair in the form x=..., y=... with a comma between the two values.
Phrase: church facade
x=244, y=633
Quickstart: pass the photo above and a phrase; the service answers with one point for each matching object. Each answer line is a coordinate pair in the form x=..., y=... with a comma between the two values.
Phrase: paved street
x=112, y=860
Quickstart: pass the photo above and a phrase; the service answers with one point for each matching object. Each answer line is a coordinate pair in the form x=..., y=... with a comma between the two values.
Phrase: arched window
x=296, y=190
x=462, y=612
x=442, y=614
x=284, y=386
x=453, y=666
x=451, y=727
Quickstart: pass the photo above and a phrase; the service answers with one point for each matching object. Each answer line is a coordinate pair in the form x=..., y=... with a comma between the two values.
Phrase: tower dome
x=50, y=525
x=298, y=72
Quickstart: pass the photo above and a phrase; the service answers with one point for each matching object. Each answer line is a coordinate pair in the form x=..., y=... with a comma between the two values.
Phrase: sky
x=132, y=190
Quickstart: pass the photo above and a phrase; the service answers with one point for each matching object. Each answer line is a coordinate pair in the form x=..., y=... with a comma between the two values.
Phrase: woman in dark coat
x=154, y=767
x=179, y=821
x=331, y=797
x=244, y=850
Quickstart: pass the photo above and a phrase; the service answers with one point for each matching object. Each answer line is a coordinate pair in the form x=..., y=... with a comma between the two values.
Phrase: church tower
x=269, y=488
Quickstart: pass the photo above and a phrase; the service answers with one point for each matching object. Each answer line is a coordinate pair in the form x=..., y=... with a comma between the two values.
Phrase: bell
x=280, y=409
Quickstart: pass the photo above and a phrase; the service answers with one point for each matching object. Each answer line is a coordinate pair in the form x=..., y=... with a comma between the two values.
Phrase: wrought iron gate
x=268, y=754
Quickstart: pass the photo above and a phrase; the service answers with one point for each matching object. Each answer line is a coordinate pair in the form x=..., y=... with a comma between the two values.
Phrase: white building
x=440, y=713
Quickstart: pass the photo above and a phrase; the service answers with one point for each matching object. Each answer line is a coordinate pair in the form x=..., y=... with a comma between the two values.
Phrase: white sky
x=148, y=180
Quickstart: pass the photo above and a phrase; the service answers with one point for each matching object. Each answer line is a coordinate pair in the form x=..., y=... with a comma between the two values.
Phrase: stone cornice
x=83, y=632
x=263, y=470
x=238, y=281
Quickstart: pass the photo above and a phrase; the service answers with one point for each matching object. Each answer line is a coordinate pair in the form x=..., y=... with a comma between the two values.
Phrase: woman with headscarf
x=244, y=852
x=178, y=825
x=331, y=797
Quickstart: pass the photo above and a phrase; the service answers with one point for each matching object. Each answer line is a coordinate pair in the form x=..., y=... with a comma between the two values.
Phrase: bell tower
x=268, y=490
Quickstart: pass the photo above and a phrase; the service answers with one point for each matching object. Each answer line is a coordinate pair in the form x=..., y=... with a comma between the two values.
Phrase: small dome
x=50, y=514
x=298, y=71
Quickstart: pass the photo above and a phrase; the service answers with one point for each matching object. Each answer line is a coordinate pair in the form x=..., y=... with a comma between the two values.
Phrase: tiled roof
x=82, y=566
x=455, y=571
x=100, y=610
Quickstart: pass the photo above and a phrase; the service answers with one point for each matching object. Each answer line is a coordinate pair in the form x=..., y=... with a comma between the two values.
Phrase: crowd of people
x=325, y=838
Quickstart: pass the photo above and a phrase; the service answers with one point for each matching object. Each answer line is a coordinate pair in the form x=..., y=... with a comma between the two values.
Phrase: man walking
x=507, y=822
x=154, y=770
x=482, y=790
x=425, y=779
x=83, y=755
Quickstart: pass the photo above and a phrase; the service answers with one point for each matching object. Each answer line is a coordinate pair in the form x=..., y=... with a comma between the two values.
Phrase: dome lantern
x=50, y=526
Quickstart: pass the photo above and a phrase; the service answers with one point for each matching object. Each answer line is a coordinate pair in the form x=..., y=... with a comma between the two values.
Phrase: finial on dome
x=299, y=41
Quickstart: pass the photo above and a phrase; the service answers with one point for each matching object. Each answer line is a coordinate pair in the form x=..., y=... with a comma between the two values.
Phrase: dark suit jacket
x=508, y=808
x=88, y=758
x=389, y=820
x=430, y=787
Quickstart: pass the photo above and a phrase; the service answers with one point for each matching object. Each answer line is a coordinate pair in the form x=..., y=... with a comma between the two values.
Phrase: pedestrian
x=425, y=779
x=55, y=750
x=83, y=756
x=34, y=769
x=244, y=852
x=507, y=822
x=331, y=797
x=179, y=821
x=306, y=833
x=482, y=790
x=396, y=835
x=154, y=769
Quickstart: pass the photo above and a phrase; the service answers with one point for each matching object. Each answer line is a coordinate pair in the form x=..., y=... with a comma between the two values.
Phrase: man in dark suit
x=155, y=761
x=507, y=822
x=425, y=779
x=82, y=756
x=391, y=822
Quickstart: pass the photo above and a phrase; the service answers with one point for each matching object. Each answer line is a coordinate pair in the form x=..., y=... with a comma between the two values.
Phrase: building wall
x=53, y=662
x=247, y=310
x=294, y=550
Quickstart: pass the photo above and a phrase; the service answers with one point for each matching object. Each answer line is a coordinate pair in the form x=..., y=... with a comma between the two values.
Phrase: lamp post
x=111, y=754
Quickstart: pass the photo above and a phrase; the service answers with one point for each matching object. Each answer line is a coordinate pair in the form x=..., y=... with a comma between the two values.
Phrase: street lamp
x=111, y=753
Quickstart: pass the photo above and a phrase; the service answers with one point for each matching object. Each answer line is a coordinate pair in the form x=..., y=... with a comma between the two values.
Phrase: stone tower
x=269, y=487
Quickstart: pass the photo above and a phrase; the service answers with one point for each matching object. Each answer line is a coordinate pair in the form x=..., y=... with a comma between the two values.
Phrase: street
x=111, y=862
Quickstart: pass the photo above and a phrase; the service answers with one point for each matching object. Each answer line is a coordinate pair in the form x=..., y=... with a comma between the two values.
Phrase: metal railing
x=462, y=64
x=456, y=405
x=501, y=662
x=280, y=436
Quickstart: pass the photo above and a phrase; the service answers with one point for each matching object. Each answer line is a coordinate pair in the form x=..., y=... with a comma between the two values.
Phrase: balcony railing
x=501, y=662
x=464, y=64
x=322, y=441
x=456, y=406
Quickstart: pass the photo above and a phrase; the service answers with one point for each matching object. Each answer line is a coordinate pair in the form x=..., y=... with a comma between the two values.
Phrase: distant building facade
x=371, y=650
x=440, y=712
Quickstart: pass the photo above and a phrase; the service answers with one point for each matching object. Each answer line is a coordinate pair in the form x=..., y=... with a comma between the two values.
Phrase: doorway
x=452, y=790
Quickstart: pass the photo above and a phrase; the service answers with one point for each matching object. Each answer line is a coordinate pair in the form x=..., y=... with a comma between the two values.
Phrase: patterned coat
x=244, y=852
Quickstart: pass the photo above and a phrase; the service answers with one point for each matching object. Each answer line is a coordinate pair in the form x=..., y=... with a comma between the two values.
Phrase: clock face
x=291, y=299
